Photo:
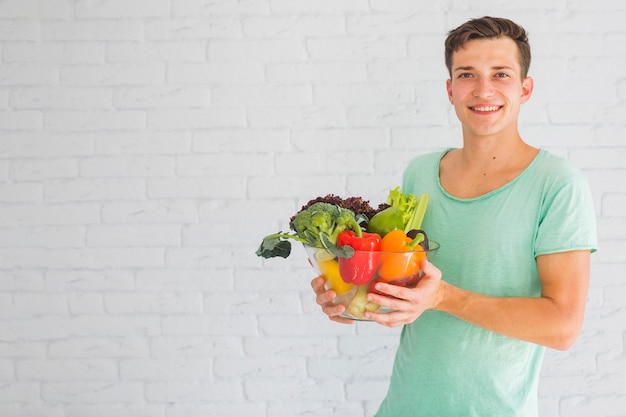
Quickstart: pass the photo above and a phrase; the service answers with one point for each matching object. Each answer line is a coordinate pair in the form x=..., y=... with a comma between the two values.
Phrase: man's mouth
x=486, y=109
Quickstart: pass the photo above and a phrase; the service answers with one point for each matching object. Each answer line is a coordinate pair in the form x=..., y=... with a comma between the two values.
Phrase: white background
x=146, y=147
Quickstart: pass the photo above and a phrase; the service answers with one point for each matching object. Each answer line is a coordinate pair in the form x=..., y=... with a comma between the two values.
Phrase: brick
x=271, y=367
x=197, y=188
x=282, y=325
x=61, y=98
x=67, y=370
x=44, y=237
x=113, y=74
x=20, y=30
x=265, y=211
x=316, y=72
x=217, y=408
x=303, y=117
x=129, y=166
x=124, y=346
x=262, y=95
x=196, y=346
x=217, y=325
x=388, y=24
x=360, y=94
x=133, y=235
x=85, y=303
x=210, y=8
x=250, y=303
x=356, y=48
x=316, y=408
x=85, y=121
x=150, y=212
x=293, y=26
x=44, y=145
x=162, y=97
x=324, y=163
x=145, y=143
x=241, y=140
x=21, y=280
x=92, y=30
x=266, y=50
x=112, y=9
x=88, y=392
x=115, y=410
x=169, y=51
x=19, y=392
x=80, y=258
x=213, y=165
x=39, y=215
x=291, y=389
x=314, y=346
x=613, y=204
x=20, y=193
x=153, y=303
x=73, y=280
x=194, y=391
x=326, y=6
x=7, y=371
x=207, y=118
x=215, y=72
x=21, y=120
x=173, y=369
x=191, y=29
x=112, y=327
x=53, y=9
x=59, y=53
x=94, y=190
x=41, y=169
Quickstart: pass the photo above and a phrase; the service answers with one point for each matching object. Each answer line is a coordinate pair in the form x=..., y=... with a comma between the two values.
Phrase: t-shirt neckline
x=490, y=193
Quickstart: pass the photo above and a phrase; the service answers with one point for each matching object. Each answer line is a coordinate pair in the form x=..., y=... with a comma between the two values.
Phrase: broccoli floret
x=318, y=226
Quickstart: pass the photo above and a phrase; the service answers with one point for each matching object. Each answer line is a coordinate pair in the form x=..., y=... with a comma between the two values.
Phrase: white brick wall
x=147, y=146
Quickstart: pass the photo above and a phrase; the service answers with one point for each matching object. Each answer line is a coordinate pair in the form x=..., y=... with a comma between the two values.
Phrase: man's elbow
x=566, y=336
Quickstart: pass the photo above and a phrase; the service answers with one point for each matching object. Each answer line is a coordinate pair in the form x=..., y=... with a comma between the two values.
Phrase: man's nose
x=483, y=87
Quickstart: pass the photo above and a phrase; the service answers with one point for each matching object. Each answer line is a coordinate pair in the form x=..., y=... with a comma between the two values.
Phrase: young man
x=516, y=226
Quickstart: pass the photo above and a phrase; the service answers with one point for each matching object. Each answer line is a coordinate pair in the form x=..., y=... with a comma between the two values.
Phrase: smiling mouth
x=486, y=109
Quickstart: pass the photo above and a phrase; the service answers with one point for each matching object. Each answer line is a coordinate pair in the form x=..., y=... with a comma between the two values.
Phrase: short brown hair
x=488, y=28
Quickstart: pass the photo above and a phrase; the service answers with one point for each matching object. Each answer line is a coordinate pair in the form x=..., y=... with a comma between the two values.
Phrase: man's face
x=486, y=87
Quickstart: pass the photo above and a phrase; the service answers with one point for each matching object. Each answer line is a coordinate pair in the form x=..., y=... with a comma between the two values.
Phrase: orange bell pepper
x=401, y=256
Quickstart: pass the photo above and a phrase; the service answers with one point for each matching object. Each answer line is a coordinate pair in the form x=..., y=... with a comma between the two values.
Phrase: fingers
x=325, y=299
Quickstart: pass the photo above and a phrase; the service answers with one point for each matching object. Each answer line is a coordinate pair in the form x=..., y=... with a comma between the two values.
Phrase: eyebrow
x=496, y=68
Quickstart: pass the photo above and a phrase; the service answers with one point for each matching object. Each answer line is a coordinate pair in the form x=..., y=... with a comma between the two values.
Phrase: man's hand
x=408, y=303
x=325, y=299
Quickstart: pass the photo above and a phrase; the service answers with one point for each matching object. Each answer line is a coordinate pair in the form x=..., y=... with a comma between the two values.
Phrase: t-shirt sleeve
x=568, y=221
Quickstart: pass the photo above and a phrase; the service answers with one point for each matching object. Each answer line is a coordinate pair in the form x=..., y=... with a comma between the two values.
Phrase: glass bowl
x=351, y=278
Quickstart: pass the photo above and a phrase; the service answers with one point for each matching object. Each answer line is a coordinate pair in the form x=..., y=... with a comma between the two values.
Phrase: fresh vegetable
x=359, y=304
x=406, y=263
x=385, y=221
x=413, y=209
x=330, y=271
x=317, y=225
x=361, y=208
x=361, y=266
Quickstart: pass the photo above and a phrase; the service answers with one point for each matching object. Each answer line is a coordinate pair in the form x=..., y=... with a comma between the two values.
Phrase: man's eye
x=502, y=75
x=465, y=75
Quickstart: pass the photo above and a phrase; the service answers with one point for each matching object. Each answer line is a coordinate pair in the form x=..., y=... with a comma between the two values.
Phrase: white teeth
x=487, y=108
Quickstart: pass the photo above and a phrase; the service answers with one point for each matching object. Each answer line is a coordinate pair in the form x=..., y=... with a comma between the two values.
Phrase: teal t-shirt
x=446, y=367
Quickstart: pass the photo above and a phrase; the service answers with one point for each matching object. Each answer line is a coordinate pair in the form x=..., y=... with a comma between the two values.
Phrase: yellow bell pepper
x=330, y=271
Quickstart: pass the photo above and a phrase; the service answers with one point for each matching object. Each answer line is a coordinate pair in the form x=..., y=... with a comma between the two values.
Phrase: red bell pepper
x=361, y=267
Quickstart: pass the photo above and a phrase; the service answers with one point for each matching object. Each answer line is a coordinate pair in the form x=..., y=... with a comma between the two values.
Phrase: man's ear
x=449, y=90
x=528, y=85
